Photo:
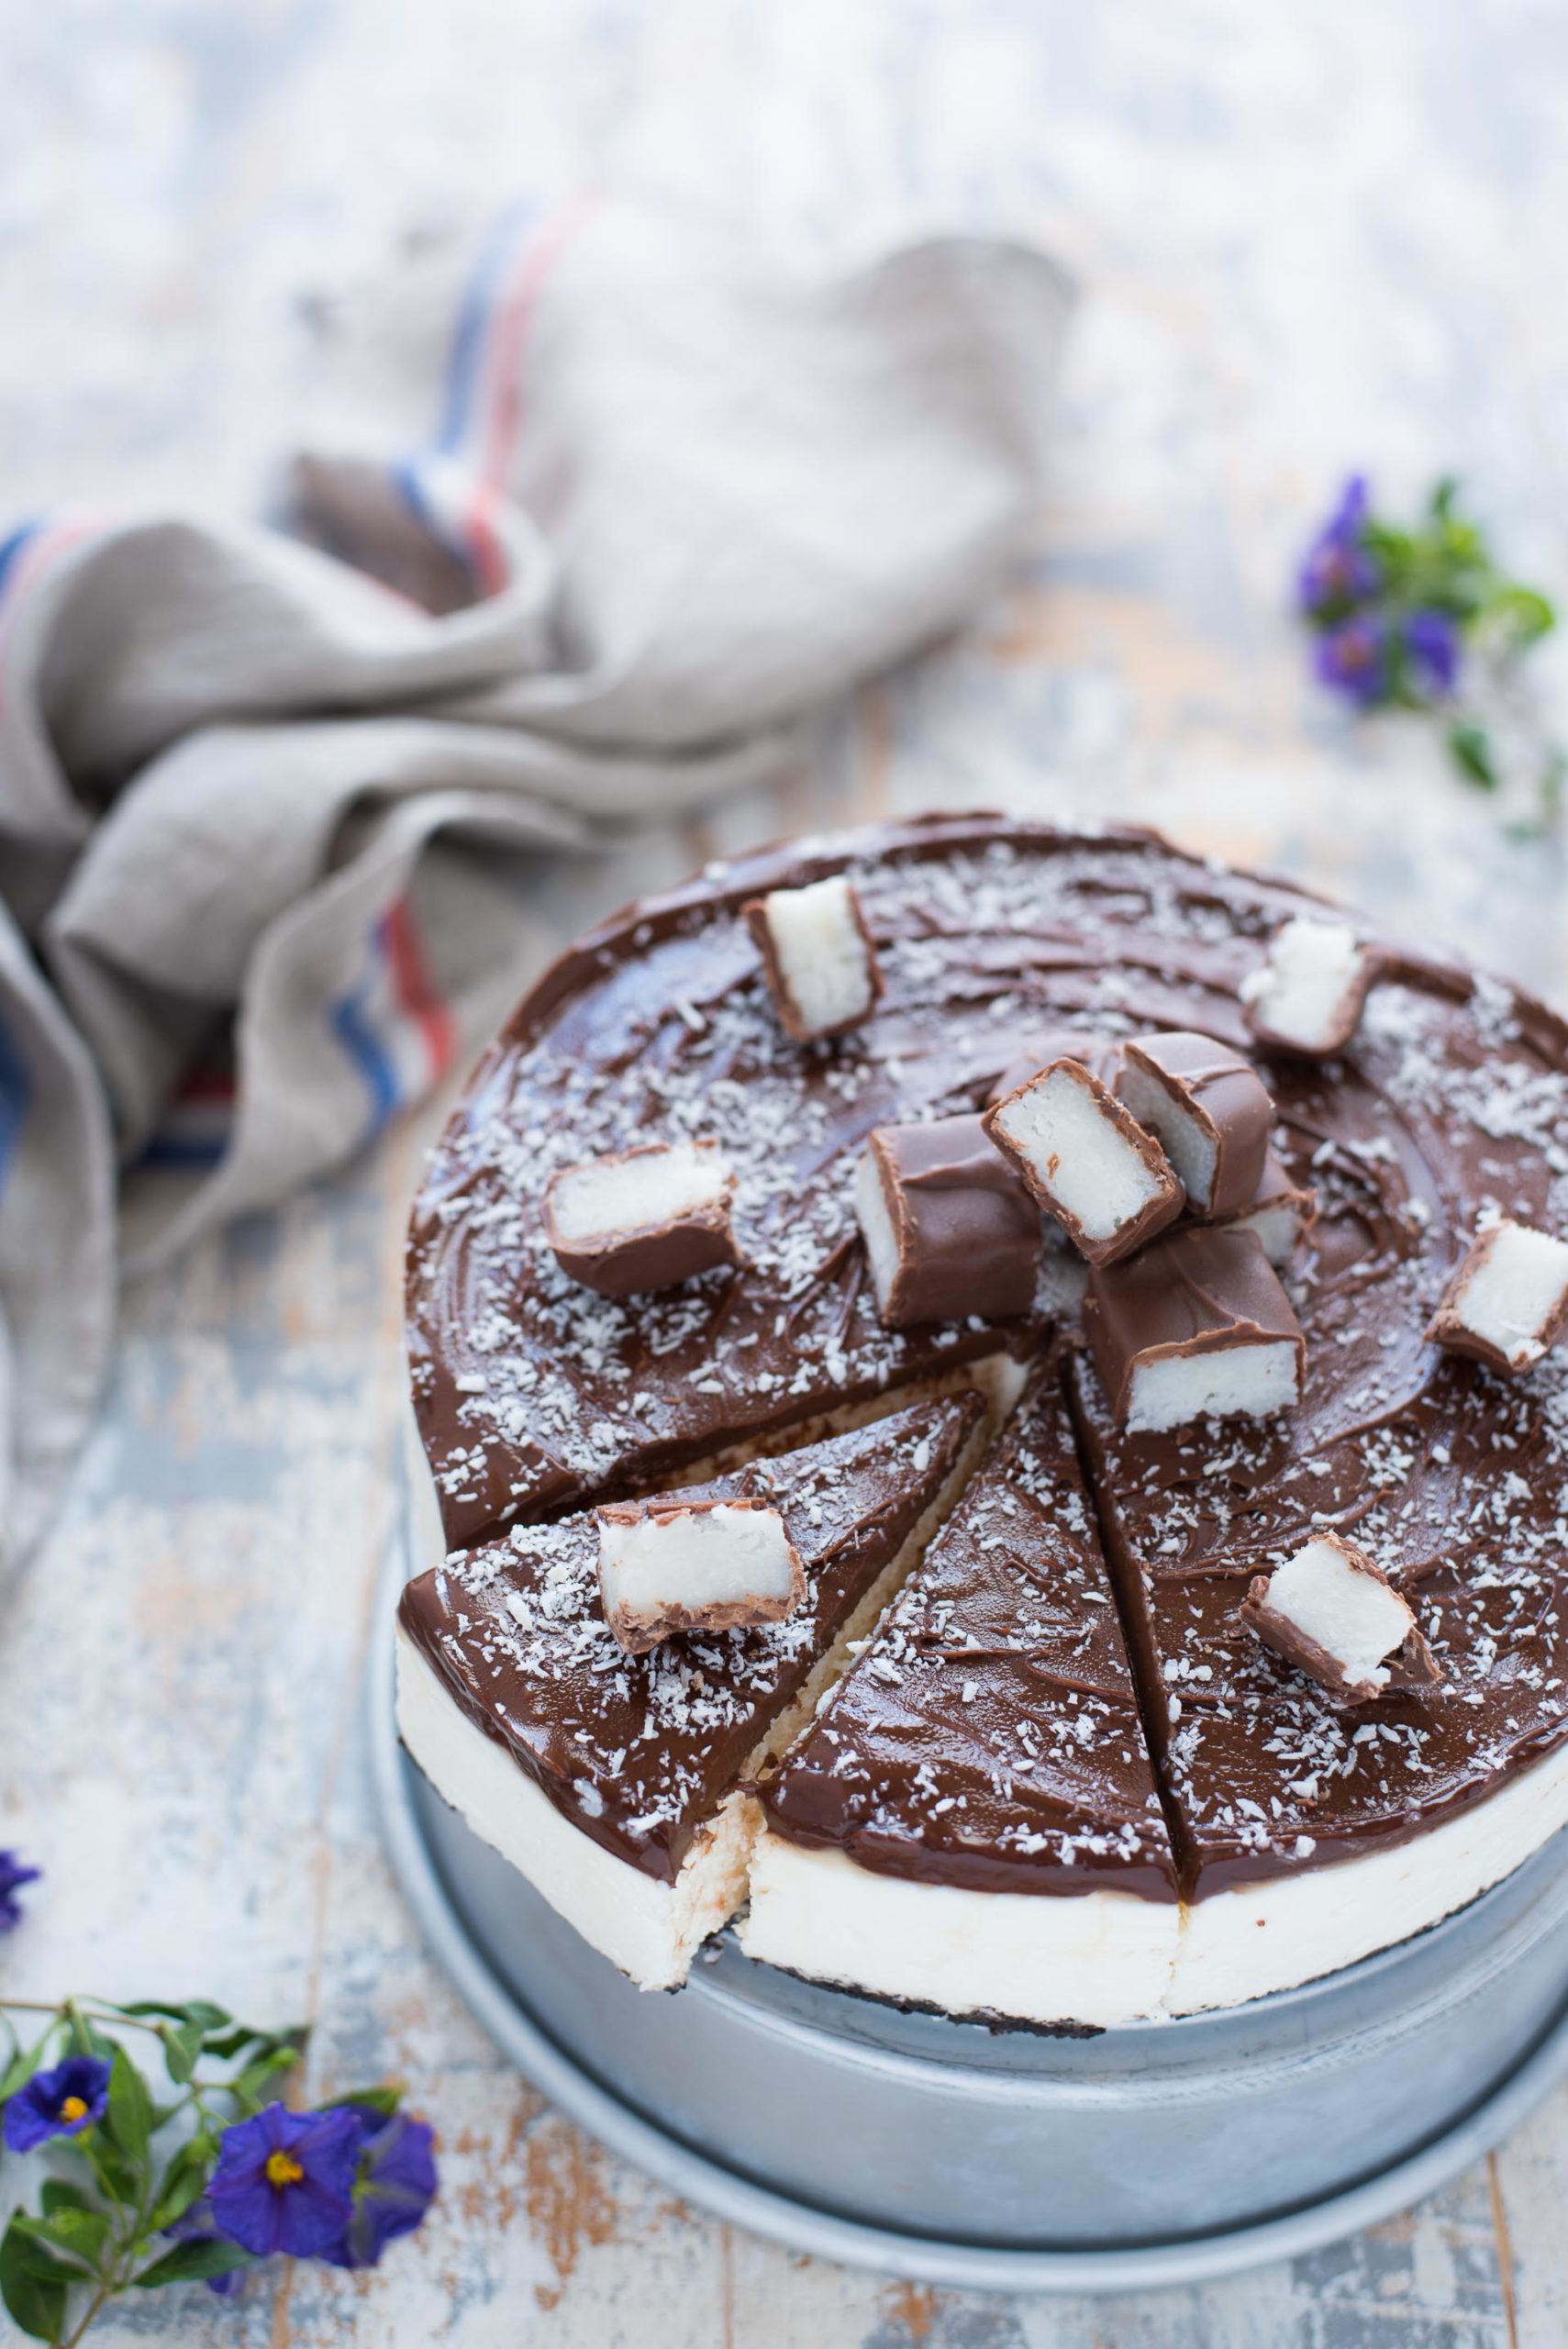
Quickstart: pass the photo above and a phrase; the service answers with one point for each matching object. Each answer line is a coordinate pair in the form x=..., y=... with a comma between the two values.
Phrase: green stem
x=70, y=2010
x=95, y=2307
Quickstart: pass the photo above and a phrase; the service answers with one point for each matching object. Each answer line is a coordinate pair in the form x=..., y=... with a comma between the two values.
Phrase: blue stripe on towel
x=11, y=548
x=474, y=321
x=349, y=1018
x=15, y=1100
x=465, y=368
x=184, y=1150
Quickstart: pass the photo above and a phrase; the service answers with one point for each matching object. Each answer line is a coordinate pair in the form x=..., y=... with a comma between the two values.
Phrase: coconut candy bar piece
x=949, y=1229
x=1508, y=1301
x=1334, y=1614
x=818, y=955
x=1087, y=1160
x=642, y=1219
x=1281, y=1211
x=1308, y=995
x=1196, y=1326
x=1208, y=1108
x=707, y=1565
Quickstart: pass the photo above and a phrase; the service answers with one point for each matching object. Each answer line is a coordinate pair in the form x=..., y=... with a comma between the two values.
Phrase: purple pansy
x=1337, y=572
x=198, y=2225
x=396, y=2185
x=285, y=2181
x=1352, y=660
x=13, y=1875
x=58, y=2103
x=1431, y=644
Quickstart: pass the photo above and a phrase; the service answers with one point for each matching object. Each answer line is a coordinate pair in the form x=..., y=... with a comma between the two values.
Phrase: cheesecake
x=1039, y=1765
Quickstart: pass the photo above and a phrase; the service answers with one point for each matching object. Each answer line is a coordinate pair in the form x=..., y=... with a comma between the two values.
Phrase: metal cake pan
x=1156, y=2154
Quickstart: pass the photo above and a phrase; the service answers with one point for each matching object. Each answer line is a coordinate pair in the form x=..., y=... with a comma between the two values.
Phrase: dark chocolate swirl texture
x=532, y=1394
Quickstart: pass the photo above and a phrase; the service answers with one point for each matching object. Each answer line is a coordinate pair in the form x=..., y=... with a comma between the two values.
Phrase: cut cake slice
x=612, y=1781
x=972, y=1823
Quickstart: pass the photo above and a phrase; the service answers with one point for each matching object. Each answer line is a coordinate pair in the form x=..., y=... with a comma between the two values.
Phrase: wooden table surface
x=1311, y=238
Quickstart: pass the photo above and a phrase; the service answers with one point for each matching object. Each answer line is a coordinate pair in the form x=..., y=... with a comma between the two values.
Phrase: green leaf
x=123, y=2181
x=249, y=2087
x=184, y=2181
x=385, y=2098
x=36, y=2303
x=86, y=2039
x=199, y=2010
x=191, y=2262
x=131, y=2109
x=61, y=2194
x=1469, y=748
x=22, y=2066
x=181, y=2046
x=230, y=2042
x=1523, y=611
x=1444, y=492
x=75, y=2234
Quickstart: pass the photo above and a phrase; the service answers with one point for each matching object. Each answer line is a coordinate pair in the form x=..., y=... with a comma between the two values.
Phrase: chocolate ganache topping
x=991, y=1730
x=1452, y=1102
x=638, y=1750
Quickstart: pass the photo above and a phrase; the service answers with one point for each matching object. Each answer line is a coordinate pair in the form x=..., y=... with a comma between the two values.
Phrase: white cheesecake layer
x=648, y=1928
x=1290, y=1928
x=1107, y=1957
x=1097, y=1957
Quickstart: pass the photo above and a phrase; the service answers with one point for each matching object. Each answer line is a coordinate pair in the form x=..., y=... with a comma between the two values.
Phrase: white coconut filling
x=1304, y=993
x=1515, y=1291
x=1278, y=1229
x=877, y=1229
x=1191, y=1151
x=701, y=1558
x=650, y=1929
x=1107, y=1957
x=1097, y=1957
x=621, y=1197
x=1231, y=1382
x=824, y=963
x=1092, y=1172
x=1359, y=1619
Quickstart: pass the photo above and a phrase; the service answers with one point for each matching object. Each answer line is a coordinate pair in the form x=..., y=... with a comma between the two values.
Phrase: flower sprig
x=1422, y=618
x=199, y=2181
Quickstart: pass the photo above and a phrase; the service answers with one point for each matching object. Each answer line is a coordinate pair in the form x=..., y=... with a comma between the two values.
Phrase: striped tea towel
x=608, y=512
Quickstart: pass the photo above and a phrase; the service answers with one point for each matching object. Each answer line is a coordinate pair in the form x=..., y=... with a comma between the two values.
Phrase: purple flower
x=396, y=2185
x=1431, y=643
x=285, y=2181
x=1352, y=660
x=13, y=1875
x=59, y=2103
x=1337, y=572
x=198, y=2225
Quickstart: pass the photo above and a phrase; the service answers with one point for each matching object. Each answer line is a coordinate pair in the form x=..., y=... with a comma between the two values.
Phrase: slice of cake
x=1310, y=1830
x=610, y=1779
x=970, y=1822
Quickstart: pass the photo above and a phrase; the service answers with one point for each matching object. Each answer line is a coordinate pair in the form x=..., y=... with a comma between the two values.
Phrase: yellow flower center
x=282, y=2170
x=74, y=2108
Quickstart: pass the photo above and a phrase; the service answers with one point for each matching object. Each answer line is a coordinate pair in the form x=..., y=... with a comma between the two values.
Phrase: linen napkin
x=611, y=508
